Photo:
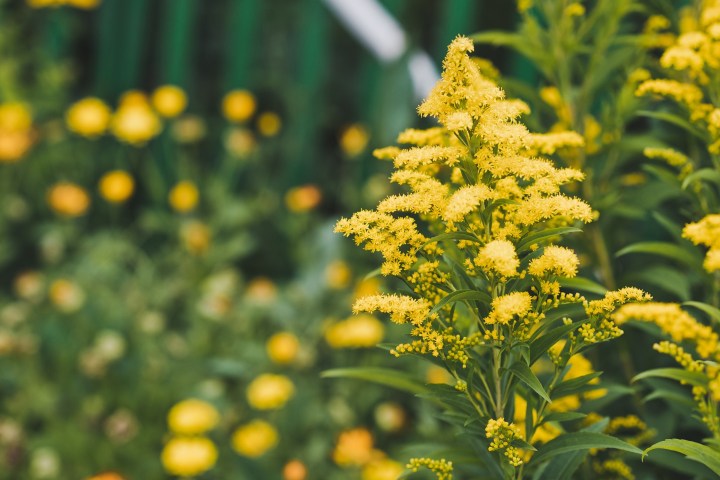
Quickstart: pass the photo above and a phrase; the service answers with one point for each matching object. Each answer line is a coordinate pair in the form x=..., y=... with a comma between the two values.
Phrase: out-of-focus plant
x=688, y=78
x=484, y=278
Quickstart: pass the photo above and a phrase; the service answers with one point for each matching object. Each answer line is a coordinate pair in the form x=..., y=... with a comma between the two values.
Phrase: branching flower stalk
x=474, y=240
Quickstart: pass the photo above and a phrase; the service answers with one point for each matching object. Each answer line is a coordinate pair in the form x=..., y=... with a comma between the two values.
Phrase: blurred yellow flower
x=365, y=287
x=15, y=117
x=353, y=448
x=169, y=100
x=338, y=274
x=192, y=417
x=29, y=285
x=390, y=416
x=116, y=186
x=294, y=470
x=437, y=375
x=303, y=198
x=196, y=237
x=240, y=142
x=189, y=456
x=269, y=124
x=88, y=117
x=107, y=476
x=135, y=122
x=189, y=129
x=68, y=199
x=16, y=136
x=261, y=290
x=269, y=391
x=359, y=331
x=283, y=348
x=86, y=4
x=354, y=139
x=184, y=196
x=66, y=295
x=254, y=438
x=238, y=105
x=382, y=469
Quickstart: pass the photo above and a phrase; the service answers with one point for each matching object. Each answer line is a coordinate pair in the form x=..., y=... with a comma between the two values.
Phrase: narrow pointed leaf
x=694, y=378
x=664, y=249
x=529, y=240
x=575, y=441
x=692, y=450
x=460, y=295
x=712, y=312
x=583, y=285
x=522, y=371
x=382, y=376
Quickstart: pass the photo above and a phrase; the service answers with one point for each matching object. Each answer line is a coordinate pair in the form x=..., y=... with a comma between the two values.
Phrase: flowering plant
x=475, y=244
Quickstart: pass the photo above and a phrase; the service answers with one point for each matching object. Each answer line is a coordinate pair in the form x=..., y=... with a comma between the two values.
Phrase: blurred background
x=170, y=286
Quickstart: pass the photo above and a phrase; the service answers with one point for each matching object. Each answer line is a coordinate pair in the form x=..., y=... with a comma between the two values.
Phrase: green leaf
x=563, y=417
x=460, y=295
x=575, y=441
x=692, y=450
x=708, y=174
x=522, y=371
x=711, y=311
x=574, y=385
x=531, y=239
x=563, y=466
x=583, y=285
x=453, y=236
x=675, y=120
x=693, y=378
x=541, y=345
x=664, y=249
x=382, y=376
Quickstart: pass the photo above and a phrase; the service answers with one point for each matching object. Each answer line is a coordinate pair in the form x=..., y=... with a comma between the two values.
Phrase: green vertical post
x=243, y=24
x=177, y=41
x=134, y=42
x=458, y=17
x=303, y=122
x=107, y=40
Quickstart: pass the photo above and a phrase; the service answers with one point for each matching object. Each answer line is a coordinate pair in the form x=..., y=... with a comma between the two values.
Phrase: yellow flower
x=116, y=186
x=84, y=4
x=107, y=476
x=353, y=448
x=184, y=196
x=255, y=438
x=354, y=139
x=359, y=331
x=269, y=391
x=338, y=275
x=506, y=307
x=303, y=198
x=269, y=124
x=29, y=285
x=261, y=290
x=283, y=348
x=88, y=117
x=14, y=145
x=68, y=199
x=188, y=129
x=192, y=417
x=189, y=456
x=383, y=469
x=134, y=121
x=66, y=295
x=238, y=105
x=295, y=470
x=15, y=117
x=169, y=100
x=196, y=237
x=240, y=142
x=498, y=256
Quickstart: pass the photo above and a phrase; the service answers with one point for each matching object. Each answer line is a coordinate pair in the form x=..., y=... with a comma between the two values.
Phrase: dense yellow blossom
x=684, y=93
x=441, y=468
x=506, y=307
x=116, y=186
x=16, y=132
x=402, y=309
x=354, y=447
x=706, y=232
x=269, y=391
x=192, y=417
x=498, y=257
x=88, y=117
x=169, y=100
x=555, y=260
x=135, y=122
x=189, y=456
x=254, y=438
x=501, y=434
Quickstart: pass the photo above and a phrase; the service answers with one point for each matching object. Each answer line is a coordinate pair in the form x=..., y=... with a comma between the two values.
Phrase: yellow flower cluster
x=441, y=468
x=254, y=438
x=706, y=232
x=358, y=331
x=269, y=391
x=604, y=324
x=82, y=4
x=502, y=435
